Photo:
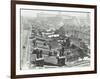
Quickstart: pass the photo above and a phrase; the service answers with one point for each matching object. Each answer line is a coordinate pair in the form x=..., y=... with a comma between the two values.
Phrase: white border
x=54, y=70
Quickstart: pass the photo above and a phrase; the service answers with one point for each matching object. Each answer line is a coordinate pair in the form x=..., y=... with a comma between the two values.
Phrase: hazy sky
x=44, y=13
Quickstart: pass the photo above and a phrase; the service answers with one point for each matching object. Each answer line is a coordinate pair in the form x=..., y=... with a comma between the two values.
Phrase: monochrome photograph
x=51, y=39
